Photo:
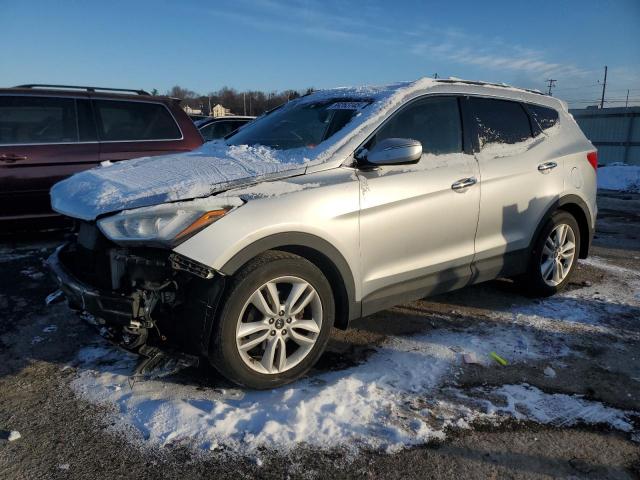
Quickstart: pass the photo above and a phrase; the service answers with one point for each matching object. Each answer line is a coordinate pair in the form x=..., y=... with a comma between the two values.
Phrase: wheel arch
x=577, y=207
x=318, y=251
x=582, y=217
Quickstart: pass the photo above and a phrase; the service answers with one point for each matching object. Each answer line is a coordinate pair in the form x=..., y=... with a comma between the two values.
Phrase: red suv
x=48, y=132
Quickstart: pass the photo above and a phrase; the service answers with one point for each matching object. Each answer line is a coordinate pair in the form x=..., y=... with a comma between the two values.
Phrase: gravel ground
x=65, y=436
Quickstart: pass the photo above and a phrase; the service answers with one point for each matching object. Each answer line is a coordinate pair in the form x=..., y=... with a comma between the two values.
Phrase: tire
x=249, y=304
x=535, y=281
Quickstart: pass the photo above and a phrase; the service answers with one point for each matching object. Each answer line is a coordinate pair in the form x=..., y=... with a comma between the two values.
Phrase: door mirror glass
x=395, y=151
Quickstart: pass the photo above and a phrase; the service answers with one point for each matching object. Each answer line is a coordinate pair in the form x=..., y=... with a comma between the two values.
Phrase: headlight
x=166, y=225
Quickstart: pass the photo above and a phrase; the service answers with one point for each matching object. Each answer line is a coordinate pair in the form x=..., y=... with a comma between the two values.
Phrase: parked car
x=215, y=128
x=335, y=206
x=195, y=117
x=49, y=132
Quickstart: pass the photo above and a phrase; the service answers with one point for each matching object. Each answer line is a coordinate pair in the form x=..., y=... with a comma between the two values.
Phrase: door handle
x=545, y=167
x=463, y=183
x=11, y=158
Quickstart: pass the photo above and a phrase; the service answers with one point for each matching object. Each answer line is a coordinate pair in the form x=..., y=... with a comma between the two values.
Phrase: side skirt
x=507, y=265
x=431, y=284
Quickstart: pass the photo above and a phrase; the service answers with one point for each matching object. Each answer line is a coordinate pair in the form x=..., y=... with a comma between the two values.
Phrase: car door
x=129, y=129
x=42, y=140
x=519, y=182
x=417, y=222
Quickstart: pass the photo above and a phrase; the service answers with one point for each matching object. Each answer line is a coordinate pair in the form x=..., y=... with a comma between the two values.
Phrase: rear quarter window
x=545, y=117
x=500, y=121
x=122, y=121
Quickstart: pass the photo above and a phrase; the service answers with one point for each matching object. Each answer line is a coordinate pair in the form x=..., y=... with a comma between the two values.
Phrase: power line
x=624, y=90
x=579, y=86
x=596, y=101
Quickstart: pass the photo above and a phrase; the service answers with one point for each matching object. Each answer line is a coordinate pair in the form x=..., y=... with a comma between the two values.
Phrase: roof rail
x=80, y=87
x=475, y=82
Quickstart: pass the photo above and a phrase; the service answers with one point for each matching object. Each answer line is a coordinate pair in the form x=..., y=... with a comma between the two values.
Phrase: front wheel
x=554, y=256
x=275, y=322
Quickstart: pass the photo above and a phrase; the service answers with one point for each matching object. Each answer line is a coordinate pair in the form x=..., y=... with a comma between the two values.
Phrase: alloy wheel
x=279, y=325
x=558, y=254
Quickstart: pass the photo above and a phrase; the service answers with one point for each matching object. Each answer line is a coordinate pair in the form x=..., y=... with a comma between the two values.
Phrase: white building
x=192, y=111
x=219, y=111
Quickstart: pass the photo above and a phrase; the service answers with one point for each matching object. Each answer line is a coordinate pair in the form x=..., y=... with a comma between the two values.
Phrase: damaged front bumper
x=108, y=306
x=164, y=301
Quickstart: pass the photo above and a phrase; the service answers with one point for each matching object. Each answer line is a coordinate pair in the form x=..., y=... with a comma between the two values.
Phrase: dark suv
x=48, y=132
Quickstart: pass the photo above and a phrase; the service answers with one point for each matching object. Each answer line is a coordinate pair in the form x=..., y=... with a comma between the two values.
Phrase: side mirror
x=395, y=151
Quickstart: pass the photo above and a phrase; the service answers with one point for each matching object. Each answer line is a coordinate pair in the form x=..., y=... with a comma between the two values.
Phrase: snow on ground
x=625, y=178
x=404, y=394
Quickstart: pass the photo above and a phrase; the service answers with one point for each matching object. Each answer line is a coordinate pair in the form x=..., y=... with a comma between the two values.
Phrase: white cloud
x=366, y=27
x=495, y=54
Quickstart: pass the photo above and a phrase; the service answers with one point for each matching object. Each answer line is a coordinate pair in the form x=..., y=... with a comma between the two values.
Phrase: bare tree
x=253, y=102
x=181, y=93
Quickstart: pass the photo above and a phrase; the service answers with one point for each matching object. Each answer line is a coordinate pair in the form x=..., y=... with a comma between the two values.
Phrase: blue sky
x=280, y=44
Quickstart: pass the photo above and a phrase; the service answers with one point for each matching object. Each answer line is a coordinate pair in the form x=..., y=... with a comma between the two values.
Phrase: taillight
x=592, y=157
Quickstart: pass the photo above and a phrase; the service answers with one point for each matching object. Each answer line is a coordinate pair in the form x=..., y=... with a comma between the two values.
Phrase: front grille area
x=89, y=258
x=99, y=262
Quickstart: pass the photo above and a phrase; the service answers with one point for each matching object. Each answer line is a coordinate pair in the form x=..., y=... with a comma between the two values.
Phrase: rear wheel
x=554, y=256
x=275, y=322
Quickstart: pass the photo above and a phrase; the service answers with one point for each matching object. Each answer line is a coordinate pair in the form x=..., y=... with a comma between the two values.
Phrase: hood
x=147, y=181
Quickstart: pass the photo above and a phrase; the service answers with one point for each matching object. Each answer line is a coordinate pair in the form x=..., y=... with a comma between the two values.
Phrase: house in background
x=220, y=111
x=192, y=111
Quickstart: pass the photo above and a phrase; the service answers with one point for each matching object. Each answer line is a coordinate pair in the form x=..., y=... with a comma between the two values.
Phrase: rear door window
x=500, y=121
x=34, y=120
x=545, y=117
x=130, y=121
x=434, y=122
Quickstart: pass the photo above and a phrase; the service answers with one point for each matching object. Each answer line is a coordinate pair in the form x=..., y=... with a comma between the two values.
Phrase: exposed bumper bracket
x=114, y=308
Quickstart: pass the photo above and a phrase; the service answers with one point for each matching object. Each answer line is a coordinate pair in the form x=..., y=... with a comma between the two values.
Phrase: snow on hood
x=215, y=166
x=154, y=180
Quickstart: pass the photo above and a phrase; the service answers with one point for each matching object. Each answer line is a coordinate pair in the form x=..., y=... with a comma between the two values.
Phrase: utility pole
x=626, y=103
x=604, y=86
x=244, y=103
x=552, y=83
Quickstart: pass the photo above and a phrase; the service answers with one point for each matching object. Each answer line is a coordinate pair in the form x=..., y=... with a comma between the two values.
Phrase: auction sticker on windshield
x=348, y=106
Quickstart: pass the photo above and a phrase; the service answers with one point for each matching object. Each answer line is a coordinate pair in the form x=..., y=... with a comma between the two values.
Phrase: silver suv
x=334, y=206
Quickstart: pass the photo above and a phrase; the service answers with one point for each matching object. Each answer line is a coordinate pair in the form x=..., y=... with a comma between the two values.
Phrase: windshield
x=298, y=124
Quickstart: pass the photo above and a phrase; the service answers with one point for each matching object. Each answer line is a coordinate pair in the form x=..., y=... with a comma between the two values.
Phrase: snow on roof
x=380, y=92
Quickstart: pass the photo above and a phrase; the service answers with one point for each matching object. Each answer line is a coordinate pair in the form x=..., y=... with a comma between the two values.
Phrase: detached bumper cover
x=110, y=306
